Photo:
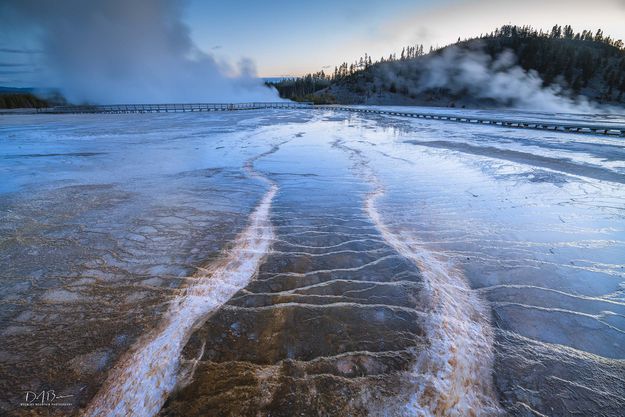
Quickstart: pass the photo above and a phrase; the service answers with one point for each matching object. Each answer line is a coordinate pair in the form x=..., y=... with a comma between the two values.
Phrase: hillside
x=28, y=98
x=512, y=66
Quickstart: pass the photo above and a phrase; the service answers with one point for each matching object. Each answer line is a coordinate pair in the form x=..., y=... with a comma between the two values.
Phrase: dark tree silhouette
x=587, y=62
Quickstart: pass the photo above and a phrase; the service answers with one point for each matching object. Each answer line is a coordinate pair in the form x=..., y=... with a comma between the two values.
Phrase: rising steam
x=137, y=51
x=473, y=73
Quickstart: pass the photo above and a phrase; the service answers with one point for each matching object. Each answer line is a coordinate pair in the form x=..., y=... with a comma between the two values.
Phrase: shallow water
x=414, y=267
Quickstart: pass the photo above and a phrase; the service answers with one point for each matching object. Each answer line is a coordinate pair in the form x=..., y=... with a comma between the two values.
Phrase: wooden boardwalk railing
x=172, y=108
x=580, y=127
x=611, y=130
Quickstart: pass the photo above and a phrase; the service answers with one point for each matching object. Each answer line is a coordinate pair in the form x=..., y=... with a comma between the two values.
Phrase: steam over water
x=309, y=263
x=119, y=51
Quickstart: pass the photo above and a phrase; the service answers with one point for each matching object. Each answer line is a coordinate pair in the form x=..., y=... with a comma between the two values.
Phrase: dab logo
x=45, y=398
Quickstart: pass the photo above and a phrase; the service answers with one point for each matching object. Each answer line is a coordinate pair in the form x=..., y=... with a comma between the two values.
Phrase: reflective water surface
x=309, y=262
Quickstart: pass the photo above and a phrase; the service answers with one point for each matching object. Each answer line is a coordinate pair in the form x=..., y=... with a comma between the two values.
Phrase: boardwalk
x=555, y=125
x=172, y=108
x=613, y=130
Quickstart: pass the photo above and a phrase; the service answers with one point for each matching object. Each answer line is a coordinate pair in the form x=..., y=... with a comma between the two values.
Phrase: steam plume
x=130, y=52
x=473, y=73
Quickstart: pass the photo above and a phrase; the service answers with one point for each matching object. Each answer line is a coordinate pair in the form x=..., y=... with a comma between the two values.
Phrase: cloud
x=13, y=72
x=130, y=51
x=20, y=51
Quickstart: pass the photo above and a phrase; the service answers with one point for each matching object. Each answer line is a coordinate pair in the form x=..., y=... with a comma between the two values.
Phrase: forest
x=587, y=63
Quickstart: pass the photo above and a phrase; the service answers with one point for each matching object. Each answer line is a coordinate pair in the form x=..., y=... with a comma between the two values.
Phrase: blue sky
x=294, y=37
x=286, y=37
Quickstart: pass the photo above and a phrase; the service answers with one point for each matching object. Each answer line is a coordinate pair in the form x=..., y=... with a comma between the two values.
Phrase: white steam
x=137, y=51
x=474, y=74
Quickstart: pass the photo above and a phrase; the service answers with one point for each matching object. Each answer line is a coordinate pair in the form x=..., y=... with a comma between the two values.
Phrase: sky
x=286, y=38
x=296, y=37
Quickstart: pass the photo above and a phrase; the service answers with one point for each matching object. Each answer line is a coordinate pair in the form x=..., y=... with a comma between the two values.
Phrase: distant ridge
x=16, y=89
x=587, y=65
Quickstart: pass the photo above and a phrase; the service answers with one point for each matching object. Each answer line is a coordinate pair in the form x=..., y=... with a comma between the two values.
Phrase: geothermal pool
x=309, y=262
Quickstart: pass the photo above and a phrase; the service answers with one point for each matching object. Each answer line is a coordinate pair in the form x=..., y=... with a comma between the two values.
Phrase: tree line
x=303, y=88
x=578, y=61
x=586, y=60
